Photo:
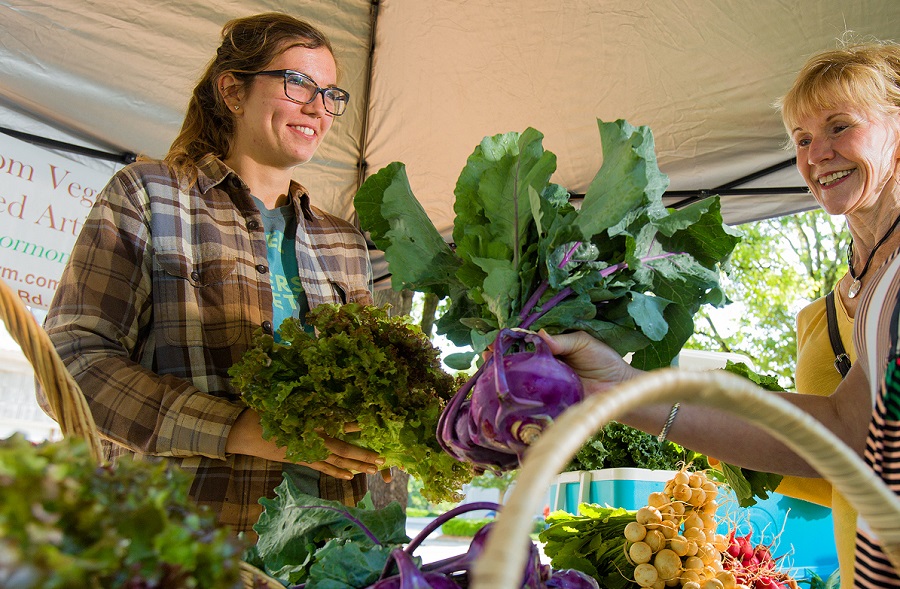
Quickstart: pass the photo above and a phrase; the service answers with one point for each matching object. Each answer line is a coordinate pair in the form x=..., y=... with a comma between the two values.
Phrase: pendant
x=854, y=289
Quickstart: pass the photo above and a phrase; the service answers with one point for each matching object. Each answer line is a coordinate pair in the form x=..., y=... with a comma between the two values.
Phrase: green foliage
x=490, y=480
x=303, y=539
x=592, y=542
x=779, y=266
x=365, y=367
x=638, y=274
x=463, y=526
x=416, y=500
x=620, y=446
x=418, y=512
x=466, y=527
x=749, y=484
x=765, y=381
x=816, y=582
x=67, y=523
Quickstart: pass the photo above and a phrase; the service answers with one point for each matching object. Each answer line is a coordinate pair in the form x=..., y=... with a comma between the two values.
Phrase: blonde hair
x=866, y=74
x=249, y=44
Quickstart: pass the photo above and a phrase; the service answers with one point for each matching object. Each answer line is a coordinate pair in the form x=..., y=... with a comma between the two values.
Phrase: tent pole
x=362, y=166
x=730, y=188
x=760, y=174
x=122, y=158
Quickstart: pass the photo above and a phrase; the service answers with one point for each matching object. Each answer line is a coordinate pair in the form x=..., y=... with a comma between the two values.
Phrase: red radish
x=762, y=553
x=754, y=566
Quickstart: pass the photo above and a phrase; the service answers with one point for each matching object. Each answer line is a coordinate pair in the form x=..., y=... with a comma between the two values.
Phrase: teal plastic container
x=800, y=531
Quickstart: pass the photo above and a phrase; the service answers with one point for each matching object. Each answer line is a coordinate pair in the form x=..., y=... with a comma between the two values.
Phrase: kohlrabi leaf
x=686, y=298
x=618, y=264
x=628, y=177
x=294, y=526
x=347, y=565
x=699, y=229
x=497, y=202
x=460, y=360
x=418, y=257
x=648, y=315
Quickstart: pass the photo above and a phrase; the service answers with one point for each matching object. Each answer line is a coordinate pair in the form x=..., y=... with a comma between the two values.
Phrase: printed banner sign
x=44, y=199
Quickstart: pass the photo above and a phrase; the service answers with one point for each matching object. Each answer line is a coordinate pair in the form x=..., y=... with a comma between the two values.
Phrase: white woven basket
x=66, y=400
x=502, y=563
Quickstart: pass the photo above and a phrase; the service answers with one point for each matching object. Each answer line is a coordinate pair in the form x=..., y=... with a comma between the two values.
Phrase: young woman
x=181, y=260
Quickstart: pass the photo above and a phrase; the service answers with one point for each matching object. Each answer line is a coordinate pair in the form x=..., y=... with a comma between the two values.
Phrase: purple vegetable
x=442, y=574
x=410, y=577
x=437, y=575
x=534, y=575
x=514, y=398
x=571, y=579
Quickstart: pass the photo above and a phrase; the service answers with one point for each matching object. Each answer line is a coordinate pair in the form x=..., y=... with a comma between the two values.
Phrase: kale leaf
x=620, y=446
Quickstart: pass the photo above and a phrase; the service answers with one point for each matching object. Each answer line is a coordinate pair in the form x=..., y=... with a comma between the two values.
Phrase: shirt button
x=267, y=327
x=195, y=276
x=262, y=269
x=253, y=225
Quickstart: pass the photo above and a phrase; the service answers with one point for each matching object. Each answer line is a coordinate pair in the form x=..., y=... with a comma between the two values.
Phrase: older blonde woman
x=843, y=116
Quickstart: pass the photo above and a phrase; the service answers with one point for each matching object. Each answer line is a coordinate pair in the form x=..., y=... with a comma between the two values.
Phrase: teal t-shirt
x=288, y=300
x=288, y=296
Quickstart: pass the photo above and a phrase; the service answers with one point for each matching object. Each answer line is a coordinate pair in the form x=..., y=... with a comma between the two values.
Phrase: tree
x=502, y=482
x=780, y=266
x=385, y=493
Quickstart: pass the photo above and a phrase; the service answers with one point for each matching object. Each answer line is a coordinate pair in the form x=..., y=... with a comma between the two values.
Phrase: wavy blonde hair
x=249, y=44
x=866, y=74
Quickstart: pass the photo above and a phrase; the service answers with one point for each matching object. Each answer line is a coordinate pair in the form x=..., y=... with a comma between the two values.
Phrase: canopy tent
x=430, y=78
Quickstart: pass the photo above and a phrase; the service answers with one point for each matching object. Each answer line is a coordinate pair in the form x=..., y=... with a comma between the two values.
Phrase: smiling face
x=848, y=156
x=270, y=129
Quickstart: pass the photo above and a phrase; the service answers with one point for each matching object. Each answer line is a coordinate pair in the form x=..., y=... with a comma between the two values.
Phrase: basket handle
x=69, y=407
x=499, y=566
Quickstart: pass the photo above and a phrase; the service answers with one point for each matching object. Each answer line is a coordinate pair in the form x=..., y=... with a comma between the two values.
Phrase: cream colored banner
x=44, y=199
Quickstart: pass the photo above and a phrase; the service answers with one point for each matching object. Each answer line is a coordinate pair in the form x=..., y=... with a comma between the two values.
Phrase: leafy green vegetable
x=67, y=523
x=620, y=446
x=364, y=367
x=816, y=582
x=592, y=542
x=765, y=381
x=749, y=484
x=621, y=266
x=304, y=539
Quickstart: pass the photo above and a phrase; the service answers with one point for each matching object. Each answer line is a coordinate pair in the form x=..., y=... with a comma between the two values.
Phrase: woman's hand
x=346, y=459
x=343, y=462
x=599, y=366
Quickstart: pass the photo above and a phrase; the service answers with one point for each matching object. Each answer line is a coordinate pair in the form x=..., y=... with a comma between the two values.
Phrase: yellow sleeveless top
x=816, y=375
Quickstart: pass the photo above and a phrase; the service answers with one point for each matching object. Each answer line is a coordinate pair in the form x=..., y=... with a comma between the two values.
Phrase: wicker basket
x=501, y=567
x=66, y=400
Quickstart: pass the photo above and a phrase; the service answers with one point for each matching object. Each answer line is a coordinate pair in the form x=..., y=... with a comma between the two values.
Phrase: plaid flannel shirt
x=161, y=296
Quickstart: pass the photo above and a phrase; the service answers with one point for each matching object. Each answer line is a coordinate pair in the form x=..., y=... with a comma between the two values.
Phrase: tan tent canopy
x=430, y=78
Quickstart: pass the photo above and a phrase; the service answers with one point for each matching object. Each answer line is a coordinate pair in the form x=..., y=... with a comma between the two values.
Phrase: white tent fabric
x=430, y=78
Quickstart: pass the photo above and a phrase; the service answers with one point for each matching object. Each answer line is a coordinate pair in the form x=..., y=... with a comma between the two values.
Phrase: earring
x=236, y=107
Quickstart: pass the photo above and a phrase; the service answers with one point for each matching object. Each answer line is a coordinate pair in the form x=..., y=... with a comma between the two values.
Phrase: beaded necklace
x=857, y=284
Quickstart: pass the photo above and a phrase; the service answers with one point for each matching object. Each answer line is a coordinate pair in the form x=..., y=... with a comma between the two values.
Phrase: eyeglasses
x=302, y=89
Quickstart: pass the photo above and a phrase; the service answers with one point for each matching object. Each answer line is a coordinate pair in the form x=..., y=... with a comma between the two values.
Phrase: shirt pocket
x=201, y=299
x=339, y=292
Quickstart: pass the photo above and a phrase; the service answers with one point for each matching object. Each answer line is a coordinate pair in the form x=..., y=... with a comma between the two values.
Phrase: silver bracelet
x=665, y=430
